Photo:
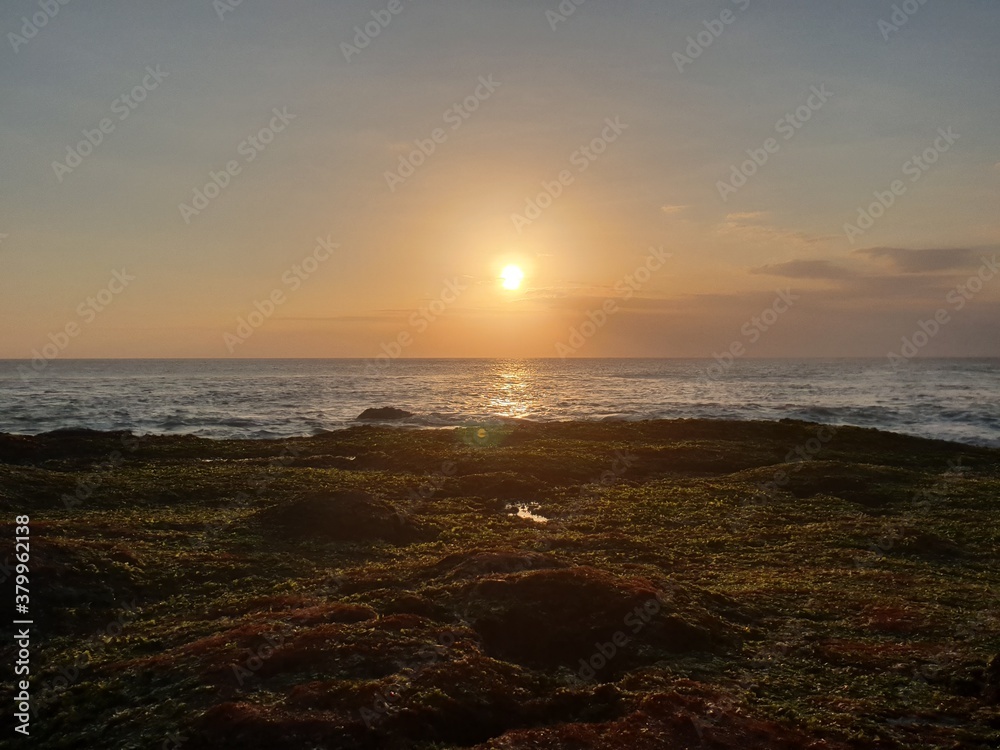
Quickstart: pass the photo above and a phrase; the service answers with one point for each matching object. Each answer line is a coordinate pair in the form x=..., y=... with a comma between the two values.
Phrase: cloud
x=806, y=269
x=670, y=209
x=750, y=226
x=904, y=260
x=377, y=316
x=548, y=292
x=747, y=216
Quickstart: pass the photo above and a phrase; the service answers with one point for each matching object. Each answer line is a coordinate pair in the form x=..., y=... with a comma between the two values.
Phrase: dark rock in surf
x=385, y=414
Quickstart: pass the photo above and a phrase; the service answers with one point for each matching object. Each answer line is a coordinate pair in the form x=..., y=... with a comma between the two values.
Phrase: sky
x=334, y=179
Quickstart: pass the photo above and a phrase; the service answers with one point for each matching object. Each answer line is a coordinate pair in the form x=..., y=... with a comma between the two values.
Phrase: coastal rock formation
x=371, y=588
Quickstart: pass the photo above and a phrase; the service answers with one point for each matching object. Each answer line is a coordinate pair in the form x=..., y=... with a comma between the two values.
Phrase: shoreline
x=496, y=422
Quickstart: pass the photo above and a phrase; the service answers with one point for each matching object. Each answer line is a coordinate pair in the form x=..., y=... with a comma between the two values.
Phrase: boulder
x=383, y=414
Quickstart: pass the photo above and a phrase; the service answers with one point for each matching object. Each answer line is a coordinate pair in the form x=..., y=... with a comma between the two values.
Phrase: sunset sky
x=421, y=254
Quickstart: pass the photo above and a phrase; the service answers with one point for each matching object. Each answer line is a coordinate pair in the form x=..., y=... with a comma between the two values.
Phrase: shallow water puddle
x=525, y=511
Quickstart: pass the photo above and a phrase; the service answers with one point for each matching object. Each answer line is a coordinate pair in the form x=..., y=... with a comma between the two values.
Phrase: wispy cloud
x=806, y=269
x=752, y=226
x=905, y=260
x=747, y=217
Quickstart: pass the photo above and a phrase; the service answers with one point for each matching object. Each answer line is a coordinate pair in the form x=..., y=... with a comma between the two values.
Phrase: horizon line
x=484, y=359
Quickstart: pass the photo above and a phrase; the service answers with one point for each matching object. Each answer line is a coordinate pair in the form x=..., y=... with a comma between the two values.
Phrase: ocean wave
x=262, y=399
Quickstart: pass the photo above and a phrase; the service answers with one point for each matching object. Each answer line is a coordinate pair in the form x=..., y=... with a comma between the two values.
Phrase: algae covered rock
x=557, y=617
x=478, y=562
x=342, y=516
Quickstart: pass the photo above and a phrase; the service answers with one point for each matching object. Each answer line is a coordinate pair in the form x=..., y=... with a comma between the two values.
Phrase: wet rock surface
x=383, y=414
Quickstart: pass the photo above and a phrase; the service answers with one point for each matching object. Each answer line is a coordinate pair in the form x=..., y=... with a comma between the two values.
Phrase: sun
x=512, y=277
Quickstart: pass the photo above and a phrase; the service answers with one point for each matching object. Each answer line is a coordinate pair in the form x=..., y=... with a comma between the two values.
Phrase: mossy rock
x=554, y=618
x=479, y=562
x=342, y=516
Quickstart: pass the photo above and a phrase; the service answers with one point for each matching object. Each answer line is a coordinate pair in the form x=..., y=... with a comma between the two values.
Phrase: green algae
x=181, y=594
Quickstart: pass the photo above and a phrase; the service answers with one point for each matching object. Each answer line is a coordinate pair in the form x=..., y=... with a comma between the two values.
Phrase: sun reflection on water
x=512, y=392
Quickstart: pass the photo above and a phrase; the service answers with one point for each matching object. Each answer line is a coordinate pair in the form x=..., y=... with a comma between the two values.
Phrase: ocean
x=948, y=399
